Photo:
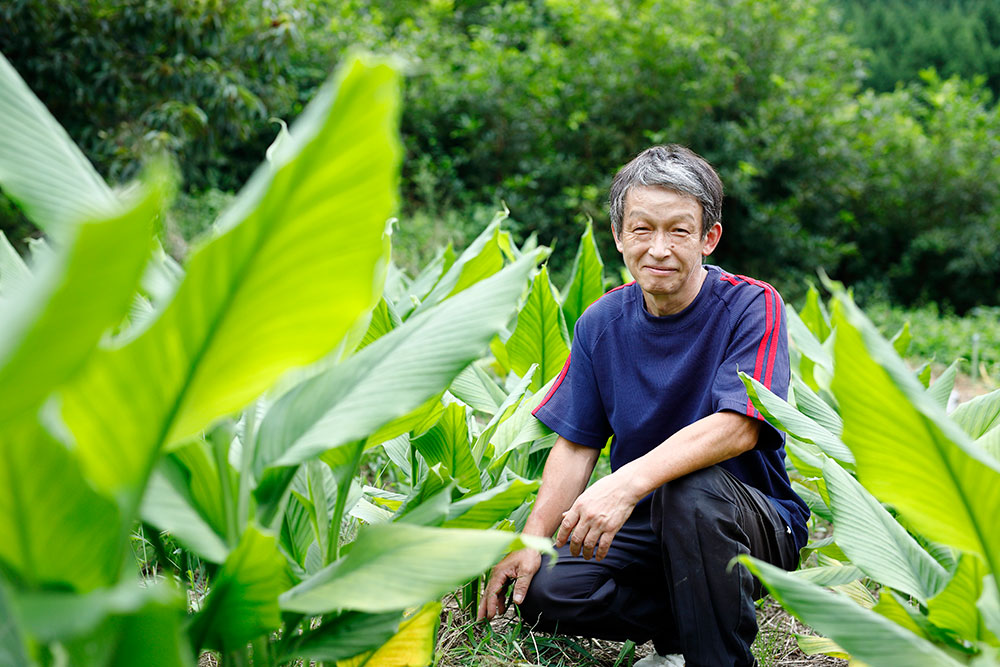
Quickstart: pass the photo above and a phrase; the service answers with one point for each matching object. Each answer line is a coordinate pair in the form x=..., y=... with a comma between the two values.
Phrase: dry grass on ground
x=505, y=643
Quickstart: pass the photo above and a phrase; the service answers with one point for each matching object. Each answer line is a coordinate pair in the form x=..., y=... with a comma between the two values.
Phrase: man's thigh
x=620, y=597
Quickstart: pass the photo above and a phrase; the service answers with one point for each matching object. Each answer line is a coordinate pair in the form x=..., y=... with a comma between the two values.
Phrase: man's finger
x=569, y=522
x=589, y=542
x=521, y=587
x=604, y=545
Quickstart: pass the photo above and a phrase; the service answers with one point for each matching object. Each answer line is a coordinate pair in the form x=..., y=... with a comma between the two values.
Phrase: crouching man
x=698, y=476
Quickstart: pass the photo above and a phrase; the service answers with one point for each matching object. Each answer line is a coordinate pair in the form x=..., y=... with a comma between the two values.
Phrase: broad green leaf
x=384, y=319
x=989, y=604
x=806, y=342
x=15, y=276
x=540, y=335
x=504, y=412
x=979, y=415
x=428, y=505
x=391, y=377
x=168, y=505
x=814, y=315
x=587, y=279
x=416, y=422
x=875, y=542
x=521, y=426
x=152, y=635
x=924, y=374
x=396, y=566
x=867, y=636
x=954, y=608
x=448, y=442
x=900, y=612
x=812, y=645
x=55, y=529
x=908, y=452
x=809, y=403
x=195, y=462
x=243, y=601
x=425, y=280
x=343, y=464
x=476, y=388
x=49, y=329
x=40, y=167
x=901, y=341
x=480, y=260
x=287, y=275
x=940, y=390
x=483, y=510
x=830, y=575
x=412, y=646
x=990, y=441
x=296, y=532
x=12, y=649
x=786, y=418
x=815, y=501
x=344, y=636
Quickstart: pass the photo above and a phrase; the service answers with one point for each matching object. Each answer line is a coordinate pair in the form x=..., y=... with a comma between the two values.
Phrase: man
x=698, y=477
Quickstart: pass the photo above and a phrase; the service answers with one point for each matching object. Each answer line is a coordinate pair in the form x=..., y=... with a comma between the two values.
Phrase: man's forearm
x=567, y=471
x=708, y=441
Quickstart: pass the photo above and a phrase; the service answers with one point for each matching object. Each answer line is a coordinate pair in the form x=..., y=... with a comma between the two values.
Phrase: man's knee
x=687, y=498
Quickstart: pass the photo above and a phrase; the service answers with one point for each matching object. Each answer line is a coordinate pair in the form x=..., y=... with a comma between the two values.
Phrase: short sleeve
x=759, y=348
x=573, y=407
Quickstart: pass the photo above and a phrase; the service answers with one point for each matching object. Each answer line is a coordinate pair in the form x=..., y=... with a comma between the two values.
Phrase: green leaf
x=480, y=260
x=243, y=601
x=448, y=442
x=396, y=566
x=901, y=341
x=150, y=635
x=476, y=388
x=483, y=510
x=908, y=452
x=809, y=403
x=15, y=276
x=901, y=612
x=40, y=167
x=12, y=650
x=384, y=319
x=979, y=415
x=812, y=645
x=50, y=328
x=815, y=501
x=830, y=575
x=167, y=504
x=814, y=315
x=540, y=335
x=55, y=529
x=867, y=636
x=412, y=646
x=344, y=636
x=391, y=377
x=989, y=604
x=806, y=342
x=286, y=276
x=940, y=391
x=587, y=279
x=786, y=418
x=425, y=281
x=875, y=542
x=954, y=608
x=521, y=426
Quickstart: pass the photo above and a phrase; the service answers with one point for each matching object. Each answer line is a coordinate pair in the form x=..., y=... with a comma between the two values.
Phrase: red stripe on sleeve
x=562, y=375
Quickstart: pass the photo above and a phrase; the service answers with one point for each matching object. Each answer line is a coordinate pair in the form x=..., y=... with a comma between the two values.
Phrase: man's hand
x=596, y=516
x=519, y=567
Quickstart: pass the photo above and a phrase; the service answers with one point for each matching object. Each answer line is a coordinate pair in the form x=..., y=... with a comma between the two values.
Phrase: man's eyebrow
x=640, y=212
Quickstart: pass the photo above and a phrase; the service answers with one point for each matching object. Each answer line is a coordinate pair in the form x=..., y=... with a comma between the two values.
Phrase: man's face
x=662, y=246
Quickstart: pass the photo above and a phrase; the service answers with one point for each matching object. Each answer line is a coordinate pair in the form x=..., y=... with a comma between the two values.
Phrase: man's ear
x=618, y=241
x=711, y=239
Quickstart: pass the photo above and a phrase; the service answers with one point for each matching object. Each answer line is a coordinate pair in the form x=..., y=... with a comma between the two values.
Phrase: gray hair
x=673, y=167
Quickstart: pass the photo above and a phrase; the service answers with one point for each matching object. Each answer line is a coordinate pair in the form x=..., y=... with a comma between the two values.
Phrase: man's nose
x=661, y=246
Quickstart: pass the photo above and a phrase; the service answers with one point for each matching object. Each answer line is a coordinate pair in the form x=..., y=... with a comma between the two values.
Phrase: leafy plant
x=917, y=518
x=127, y=413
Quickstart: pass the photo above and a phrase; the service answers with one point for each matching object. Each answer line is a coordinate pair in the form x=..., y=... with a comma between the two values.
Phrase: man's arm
x=567, y=470
x=600, y=511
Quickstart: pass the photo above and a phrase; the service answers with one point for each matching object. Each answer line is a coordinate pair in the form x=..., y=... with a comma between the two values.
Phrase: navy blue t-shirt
x=642, y=378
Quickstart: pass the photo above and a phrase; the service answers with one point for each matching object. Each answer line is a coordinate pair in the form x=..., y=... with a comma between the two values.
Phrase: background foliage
x=827, y=161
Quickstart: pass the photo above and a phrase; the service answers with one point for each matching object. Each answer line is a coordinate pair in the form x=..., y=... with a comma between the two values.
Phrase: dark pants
x=667, y=577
